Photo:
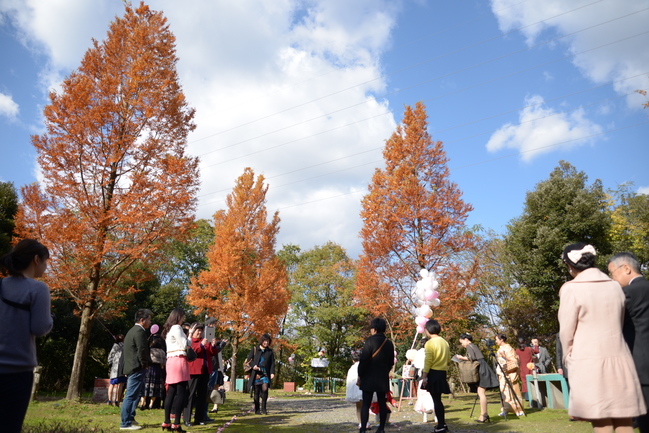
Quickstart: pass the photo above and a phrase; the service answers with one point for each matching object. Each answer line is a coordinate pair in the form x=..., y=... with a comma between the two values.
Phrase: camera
x=490, y=343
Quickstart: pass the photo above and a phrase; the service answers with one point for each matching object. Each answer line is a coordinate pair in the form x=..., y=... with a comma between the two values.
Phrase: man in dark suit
x=625, y=269
x=376, y=361
x=136, y=359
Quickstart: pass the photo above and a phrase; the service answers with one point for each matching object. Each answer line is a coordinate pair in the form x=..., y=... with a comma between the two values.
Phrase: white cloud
x=8, y=107
x=612, y=62
x=251, y=68
x=643, y=190
x=541, y=130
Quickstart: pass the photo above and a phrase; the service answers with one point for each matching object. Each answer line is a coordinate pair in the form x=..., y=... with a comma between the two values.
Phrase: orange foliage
x=117, y=184
x=245, y=285
x=413, y=218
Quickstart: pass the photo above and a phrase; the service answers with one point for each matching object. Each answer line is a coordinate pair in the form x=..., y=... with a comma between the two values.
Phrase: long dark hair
x=21, y=256
x=175, y=318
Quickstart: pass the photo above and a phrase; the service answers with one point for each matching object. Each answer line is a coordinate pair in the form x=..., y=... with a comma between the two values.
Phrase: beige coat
x=603, y=380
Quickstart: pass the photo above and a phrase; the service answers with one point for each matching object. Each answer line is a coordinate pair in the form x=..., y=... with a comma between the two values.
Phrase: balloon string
x=414, y=340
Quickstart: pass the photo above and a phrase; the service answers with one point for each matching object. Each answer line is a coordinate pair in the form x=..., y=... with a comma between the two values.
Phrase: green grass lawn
x=55, y=414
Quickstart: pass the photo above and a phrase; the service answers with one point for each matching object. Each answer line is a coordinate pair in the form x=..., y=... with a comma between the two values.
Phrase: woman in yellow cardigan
x=433, y=378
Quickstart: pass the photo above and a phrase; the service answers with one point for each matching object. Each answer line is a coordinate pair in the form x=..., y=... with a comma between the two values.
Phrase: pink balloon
x=421, y=320
x=429, y=294
x=154, y=329
x=435, y=294
x=420, y=329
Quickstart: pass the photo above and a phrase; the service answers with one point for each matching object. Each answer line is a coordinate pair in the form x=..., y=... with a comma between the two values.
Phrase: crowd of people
x=177, y=367
x=603, y=342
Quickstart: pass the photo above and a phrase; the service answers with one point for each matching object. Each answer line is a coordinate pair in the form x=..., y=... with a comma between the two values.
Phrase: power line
x=484, y=161
x=446, y=143
x=452, y=73
x=480, y=17
x=410, y=67
x=431, y=133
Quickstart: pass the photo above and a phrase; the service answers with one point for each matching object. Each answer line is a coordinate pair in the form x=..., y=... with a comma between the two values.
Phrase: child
x=353, y=392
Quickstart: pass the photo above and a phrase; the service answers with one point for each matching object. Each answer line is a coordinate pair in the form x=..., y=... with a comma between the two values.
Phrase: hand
x=272, y=376
x=204, y=342
x=560, y=371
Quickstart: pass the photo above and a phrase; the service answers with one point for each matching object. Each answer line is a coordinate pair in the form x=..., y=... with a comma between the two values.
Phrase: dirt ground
x=335, y=415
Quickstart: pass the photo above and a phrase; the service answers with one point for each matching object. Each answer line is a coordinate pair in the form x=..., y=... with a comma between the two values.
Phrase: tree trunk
x=233, y=368
x=79, y=365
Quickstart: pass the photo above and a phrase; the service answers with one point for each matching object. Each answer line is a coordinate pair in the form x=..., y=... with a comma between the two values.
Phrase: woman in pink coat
x=604, y=386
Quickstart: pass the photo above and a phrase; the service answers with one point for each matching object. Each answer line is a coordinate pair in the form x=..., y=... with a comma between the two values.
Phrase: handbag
x=190, y=354
x=216, y=396
x=469, y=371
x=358, y=381
x=509, y=365
x=247, y=365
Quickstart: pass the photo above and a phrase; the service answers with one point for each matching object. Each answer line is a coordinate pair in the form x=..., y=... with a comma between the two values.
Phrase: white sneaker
x=131, y=427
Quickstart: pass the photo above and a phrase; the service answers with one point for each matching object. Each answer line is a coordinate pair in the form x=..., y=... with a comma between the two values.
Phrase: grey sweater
x=19, y=328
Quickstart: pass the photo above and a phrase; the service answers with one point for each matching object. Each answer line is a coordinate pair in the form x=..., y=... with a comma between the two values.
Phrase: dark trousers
x=197, y=397
x=16, y=390
x=365, y=410
x=175, y=401
x=643, y=421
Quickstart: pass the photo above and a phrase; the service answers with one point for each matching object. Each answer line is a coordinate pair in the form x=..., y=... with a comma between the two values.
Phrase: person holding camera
x=487, y=379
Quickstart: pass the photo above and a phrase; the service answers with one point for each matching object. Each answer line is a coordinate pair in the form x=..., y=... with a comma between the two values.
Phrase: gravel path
x=335, y=415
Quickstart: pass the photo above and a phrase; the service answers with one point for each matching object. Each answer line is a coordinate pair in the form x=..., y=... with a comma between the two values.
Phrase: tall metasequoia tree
x=117, y=182
x=413, y=218
x=245, y=283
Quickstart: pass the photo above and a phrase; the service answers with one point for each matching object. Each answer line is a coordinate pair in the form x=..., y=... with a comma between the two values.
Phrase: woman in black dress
x=488, y=378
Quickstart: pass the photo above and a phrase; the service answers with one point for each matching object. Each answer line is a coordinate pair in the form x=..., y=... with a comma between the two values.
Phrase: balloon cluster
x=427, y=296
x=291, y=359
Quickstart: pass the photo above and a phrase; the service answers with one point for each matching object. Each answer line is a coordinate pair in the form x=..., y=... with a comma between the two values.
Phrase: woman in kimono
x=509, y=373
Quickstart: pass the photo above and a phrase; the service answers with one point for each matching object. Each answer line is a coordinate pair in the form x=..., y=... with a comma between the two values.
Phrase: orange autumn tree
x=245, y=283
x=413, y=219
x=117, y=182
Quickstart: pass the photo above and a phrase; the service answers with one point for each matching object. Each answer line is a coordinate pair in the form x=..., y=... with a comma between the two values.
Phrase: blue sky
x=306, y=93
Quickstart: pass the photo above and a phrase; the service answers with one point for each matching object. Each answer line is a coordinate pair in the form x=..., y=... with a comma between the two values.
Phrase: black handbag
x=191, y=355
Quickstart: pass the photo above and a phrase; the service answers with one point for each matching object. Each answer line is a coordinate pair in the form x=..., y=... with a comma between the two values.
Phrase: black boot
x=257, y=412
x=263, y=407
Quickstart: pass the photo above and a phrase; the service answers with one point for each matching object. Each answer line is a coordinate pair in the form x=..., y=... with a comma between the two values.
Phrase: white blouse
x=177, y=342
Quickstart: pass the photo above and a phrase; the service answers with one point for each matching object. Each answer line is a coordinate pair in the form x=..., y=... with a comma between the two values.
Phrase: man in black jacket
x=625, y=269
x=136, y=360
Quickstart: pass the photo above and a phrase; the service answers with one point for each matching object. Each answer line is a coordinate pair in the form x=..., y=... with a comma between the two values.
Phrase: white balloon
x=436, y=302
x=423, y=273
x=428, y=284
x=435, y=285
x=420, y=285
x=425, y=309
